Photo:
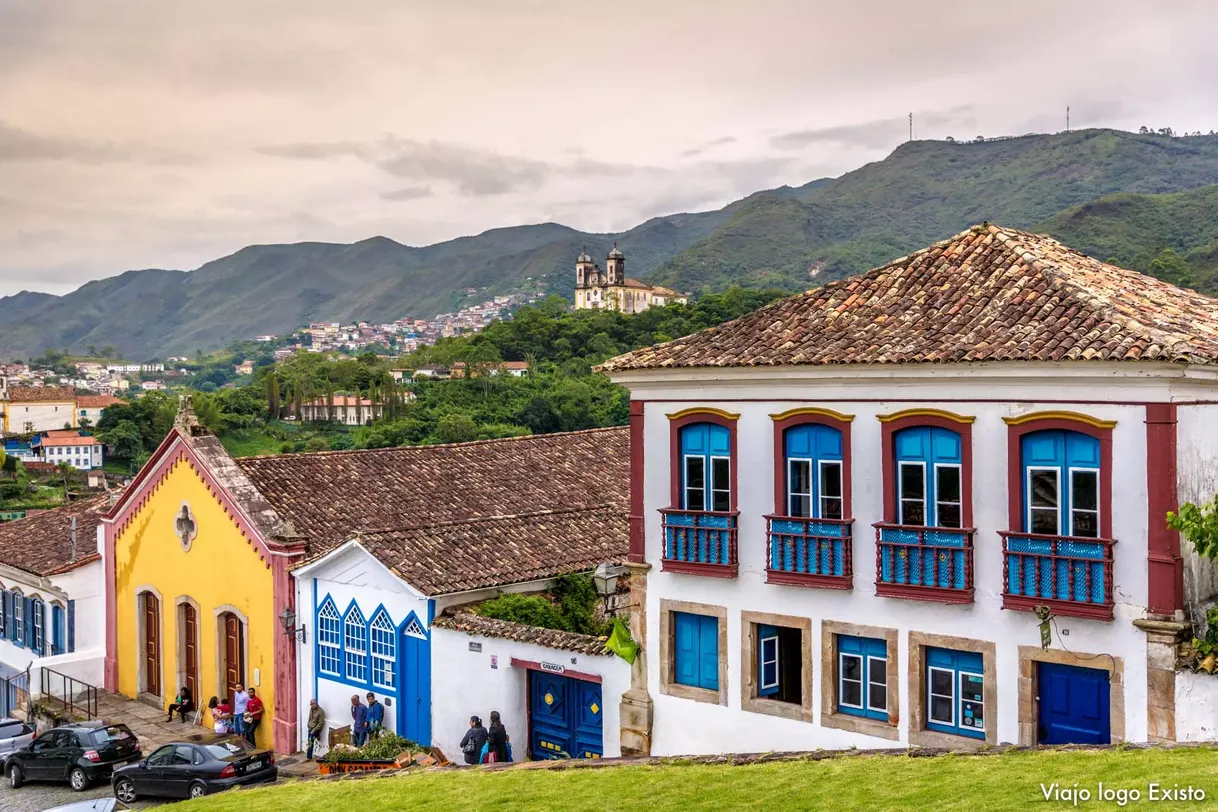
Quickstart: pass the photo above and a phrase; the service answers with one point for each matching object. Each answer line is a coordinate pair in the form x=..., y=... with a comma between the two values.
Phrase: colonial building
x=450, y=526
x=611, y=289
x=69, y=446
x=923, y=506
x=350, y=410
x=32, y=409
x=52, y=595
x=90, y=407
x=208, y=555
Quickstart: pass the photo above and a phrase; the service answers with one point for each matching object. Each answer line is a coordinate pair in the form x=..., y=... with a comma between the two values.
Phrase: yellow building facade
x=195, y=589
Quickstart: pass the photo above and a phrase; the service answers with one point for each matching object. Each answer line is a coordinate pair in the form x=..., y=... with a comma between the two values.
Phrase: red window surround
x=890, y=424
x=728, y=535
x=1164, y=565
x=841, y=422
x=1101, y=430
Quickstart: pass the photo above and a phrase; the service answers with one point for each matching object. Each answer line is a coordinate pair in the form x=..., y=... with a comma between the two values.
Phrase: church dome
x=583, y=256
x=616, y=253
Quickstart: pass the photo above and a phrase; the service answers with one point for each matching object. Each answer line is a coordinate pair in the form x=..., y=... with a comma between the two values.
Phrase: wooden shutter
x=687, y=648
x=708, y=650
x=6, y=607
x=767, y=660
x=28, y=619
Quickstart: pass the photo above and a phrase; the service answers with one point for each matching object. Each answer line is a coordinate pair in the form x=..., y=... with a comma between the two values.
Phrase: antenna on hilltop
x=1067, y=118
x=911, y=126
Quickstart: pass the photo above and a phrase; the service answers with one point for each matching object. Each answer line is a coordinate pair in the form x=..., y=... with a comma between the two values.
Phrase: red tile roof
x=78, y=439
x=987, y=294
x=41, y=394
x=473, y=624
x=487, y=498
x=97, y=401
x=340, y=401
x=42, y=543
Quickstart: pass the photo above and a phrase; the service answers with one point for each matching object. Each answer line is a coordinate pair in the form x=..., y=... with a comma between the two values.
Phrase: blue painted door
x=1074, y=707
x=414, y=691
x=566, y=717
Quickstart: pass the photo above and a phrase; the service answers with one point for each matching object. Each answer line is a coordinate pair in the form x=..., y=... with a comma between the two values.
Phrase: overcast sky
x=165, y=133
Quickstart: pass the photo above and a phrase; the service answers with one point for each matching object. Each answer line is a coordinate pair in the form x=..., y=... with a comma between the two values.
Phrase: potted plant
x=385, y=752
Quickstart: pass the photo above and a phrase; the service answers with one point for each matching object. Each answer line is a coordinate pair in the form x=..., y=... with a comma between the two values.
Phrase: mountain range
x=1119, y=196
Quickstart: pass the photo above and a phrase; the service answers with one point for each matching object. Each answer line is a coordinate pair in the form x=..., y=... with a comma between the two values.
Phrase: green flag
x=620, y=643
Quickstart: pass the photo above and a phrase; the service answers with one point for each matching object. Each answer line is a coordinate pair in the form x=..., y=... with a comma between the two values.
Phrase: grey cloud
x=408, y=193
x=706, y=146
x=878, y=134
x=17, y=144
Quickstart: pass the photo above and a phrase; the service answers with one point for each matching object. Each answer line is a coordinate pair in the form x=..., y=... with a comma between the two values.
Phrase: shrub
x=531, y=610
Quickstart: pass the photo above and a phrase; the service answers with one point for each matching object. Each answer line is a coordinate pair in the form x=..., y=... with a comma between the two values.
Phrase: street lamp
x=605, y=578
x=288, y=618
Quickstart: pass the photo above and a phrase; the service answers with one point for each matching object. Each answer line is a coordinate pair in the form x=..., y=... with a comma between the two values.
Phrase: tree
x=207, y=410
x=92, y=348
x=64, y=470
x=1171, y=267
x=1199, y=525
x=456, y=428
x=124, y=440
x=3, y=456
x=107, y=351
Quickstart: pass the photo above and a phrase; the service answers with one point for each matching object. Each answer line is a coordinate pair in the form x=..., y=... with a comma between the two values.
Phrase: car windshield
x=10, y=729
x=114, y=733
x=224, y=749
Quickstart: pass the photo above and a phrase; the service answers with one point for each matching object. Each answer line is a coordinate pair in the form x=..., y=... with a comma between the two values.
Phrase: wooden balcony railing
x=700, y=542
x=924, y=563
x=810, y=552
x=1070, y=575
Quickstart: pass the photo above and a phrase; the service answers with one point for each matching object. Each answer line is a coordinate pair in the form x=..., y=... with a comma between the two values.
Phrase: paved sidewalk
x=146, y=722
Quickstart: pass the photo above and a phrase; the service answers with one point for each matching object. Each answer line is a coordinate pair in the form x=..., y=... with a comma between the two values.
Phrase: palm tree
x=64, y=470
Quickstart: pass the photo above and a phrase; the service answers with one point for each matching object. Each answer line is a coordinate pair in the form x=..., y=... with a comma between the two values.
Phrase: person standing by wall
x=472, y=741
x=497, y=739
x=376, y=716
x=253, y=716
x=359, y=721
x=315, y=723
x=241, y=701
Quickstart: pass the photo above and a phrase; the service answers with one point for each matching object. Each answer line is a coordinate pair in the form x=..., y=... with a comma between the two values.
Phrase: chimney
x=73, y=539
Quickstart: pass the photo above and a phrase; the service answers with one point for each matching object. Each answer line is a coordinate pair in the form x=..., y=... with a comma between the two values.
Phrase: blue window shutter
x=767, y=660
x=29, y=623
x=6, y=606
x=71, y=626
x=708, y=648
x=687, y=648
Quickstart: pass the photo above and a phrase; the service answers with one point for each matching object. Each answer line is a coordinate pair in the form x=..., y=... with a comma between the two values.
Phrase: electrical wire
x=1062, y=642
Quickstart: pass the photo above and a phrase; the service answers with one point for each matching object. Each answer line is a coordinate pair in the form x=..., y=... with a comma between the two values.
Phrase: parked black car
x=189, y=769
x=78, y=753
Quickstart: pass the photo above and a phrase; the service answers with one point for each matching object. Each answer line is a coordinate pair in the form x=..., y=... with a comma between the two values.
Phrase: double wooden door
x=234, y=653
x=152, y=644
x=190, y=649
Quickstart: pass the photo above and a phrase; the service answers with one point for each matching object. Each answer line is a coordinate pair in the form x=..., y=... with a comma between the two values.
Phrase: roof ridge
x=369, y=451
x=497, y=517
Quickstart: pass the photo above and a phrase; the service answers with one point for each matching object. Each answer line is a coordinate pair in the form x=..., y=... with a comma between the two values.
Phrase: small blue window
x=929, y=487
x=58, y=629
x=706, y=468
x=955, y=692
x=696, y=654
x=862, y=688
x=384, y=651
x=329, y=639
x=768, y=675
x=1061, y=484
x=814, y=471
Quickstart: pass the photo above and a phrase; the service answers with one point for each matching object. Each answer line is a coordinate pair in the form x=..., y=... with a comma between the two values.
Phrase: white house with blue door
x=924, y=506
x=52, y=599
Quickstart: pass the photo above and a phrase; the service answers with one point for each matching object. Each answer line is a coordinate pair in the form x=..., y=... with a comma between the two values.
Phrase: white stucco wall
x=1196, y=707
x=84, y=585
x=976, y=391
x=44, y=416
x=468, y=685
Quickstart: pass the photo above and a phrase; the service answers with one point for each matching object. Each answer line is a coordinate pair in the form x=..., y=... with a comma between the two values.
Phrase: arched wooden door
x=190, y=649
x=152, y=644
x=234, y=653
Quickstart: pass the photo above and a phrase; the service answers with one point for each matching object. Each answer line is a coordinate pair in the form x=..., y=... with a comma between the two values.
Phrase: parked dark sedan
x=201, y=766
x=79, y=753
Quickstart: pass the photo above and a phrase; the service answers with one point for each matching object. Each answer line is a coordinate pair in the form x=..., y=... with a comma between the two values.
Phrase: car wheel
x=15, y=777
x=198, y=789
x=78, y=779
x=124, y=790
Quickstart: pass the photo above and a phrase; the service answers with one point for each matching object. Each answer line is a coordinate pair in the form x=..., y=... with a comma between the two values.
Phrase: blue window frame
x=768, y=671
x=862, y=683
x=355, y=645
x=706, y=468
x=814, y=471
x=58, y=630
x=1061, y=484
x=18, y=625
x=37, y=624
x=696, y=654
x=384, y=651
x=5, y=612
x=329, y=639
x=955, y=695
x=929, y=470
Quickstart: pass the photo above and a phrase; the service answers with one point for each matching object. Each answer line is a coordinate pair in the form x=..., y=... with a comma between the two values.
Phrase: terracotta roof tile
x=407, y=494
x=41, y=543
x=490, y=627
x=41, y=394
x=97, y=401
x=987, y=294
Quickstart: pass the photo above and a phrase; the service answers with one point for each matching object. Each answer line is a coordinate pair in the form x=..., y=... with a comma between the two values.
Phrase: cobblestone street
x=39, y=797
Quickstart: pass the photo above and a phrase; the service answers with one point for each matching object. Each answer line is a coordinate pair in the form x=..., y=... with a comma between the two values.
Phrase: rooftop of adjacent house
x=341, y=401
x=97, y=401
x=987, y=294
x=473, y=624
x=449, y=517
x=41, y=543
x=55, y=441
x=41, y=394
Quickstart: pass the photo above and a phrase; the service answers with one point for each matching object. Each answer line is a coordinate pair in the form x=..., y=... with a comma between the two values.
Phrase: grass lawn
x=1008, y=781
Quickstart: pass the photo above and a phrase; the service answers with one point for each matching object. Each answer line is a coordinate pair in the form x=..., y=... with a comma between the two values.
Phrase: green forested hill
x=926, y=191
x=789, y=237
x=1171, y=236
